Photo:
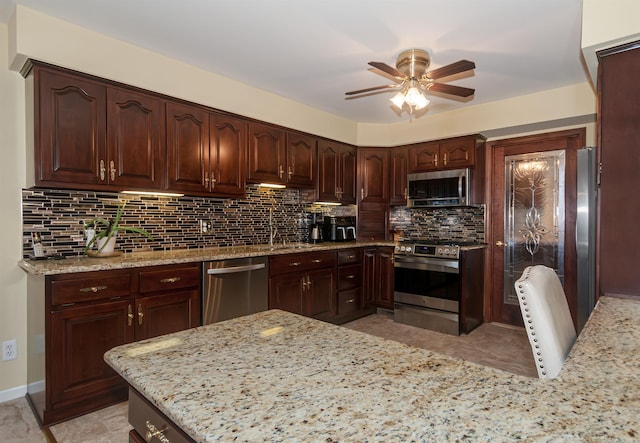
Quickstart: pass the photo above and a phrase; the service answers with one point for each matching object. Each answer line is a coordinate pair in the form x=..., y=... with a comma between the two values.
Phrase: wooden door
x=399, y=163
x=267, y=154
x=301, y=160
x=385, y=276
x=70, y=130
x=619, y=239
x=320, y=296
x=424, y=157
x=328, y=170
x=285, y=292
x=135, y=140
x=79, y=339
x=228, y=152
x=458, y=153
x=187, y=148
x=504, y=304
x=166, y=313
x=347, y=174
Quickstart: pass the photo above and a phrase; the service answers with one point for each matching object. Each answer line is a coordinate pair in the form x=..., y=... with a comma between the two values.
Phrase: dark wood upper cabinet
x=398, y=169
x=228, y=148
x=301, y=160
x=336, y=172
x=70, y=125
x=424, y=157
x=135, y=140
x=187, y=148
x=373, y=171
x=267, y=154
x=458, y=152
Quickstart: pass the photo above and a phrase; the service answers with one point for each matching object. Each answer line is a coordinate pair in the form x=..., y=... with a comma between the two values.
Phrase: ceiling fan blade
x=375, y=88
x=451, y=89
x=388, y=69
x=453, y=68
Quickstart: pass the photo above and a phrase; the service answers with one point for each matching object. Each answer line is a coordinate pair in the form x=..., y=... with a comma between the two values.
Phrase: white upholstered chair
x=547, y=318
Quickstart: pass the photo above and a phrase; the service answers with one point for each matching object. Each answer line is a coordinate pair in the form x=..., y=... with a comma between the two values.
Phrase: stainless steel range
x=438, y=285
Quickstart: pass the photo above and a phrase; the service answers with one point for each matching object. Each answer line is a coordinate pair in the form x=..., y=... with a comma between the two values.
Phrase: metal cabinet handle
x=362, y=193
x=351, y=300
x=499, y=243
x=140, y=314
x=290, y=171
x=351, y=257
x=348, y=277
x=102, y=170
x=112, y=167
x=295, y=263
x=129, y=315
x=444, y=159
x=435, y=160
x=153, y=431
x=404, y=194
x=213, y=180
x=93, y=289
x=280, y=171
x=170, y=280
x=316, y=260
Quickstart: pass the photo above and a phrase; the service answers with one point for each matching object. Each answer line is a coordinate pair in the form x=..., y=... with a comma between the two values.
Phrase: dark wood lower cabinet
x=378, y=277
x=83, y=315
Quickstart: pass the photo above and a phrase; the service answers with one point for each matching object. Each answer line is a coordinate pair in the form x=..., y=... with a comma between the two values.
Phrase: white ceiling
x=313, y=51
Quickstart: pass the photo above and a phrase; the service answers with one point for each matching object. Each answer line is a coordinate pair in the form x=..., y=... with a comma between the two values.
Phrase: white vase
x=106, y=245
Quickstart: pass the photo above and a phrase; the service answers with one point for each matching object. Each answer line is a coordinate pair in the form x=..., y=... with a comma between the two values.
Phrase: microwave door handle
x=460, y=177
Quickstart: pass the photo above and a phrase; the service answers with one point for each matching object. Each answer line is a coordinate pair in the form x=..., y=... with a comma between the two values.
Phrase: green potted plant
x=106, y=230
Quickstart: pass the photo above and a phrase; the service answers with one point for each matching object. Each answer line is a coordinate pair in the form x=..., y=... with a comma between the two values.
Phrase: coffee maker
x=339, y=229
x=314, y=232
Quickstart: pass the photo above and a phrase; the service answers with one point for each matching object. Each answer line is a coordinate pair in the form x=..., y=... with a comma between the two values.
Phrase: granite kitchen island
x=276, y=376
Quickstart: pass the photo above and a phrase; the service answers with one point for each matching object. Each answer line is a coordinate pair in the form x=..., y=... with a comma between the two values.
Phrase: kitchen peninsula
x=276, y=376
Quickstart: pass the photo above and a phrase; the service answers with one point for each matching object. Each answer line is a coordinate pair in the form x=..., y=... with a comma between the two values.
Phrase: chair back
x=547, y=318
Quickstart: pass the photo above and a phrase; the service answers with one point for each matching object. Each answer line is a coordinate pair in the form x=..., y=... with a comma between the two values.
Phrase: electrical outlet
x=205, y=226
x=9, y=350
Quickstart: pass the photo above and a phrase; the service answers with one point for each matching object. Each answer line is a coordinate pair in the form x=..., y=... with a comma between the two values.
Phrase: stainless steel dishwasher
x=233, y=288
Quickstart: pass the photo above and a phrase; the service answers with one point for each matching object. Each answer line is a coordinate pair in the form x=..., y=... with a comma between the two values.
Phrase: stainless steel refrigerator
x=586, y=232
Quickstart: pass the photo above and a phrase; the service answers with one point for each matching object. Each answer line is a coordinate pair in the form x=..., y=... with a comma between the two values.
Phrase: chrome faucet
x=273, y=230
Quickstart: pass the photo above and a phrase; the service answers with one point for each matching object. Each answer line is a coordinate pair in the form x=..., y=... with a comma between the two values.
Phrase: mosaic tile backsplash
x=460, y=223
x=58, y=216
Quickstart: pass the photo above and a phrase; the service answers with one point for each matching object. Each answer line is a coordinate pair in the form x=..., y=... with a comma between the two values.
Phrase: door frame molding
x=579, y=134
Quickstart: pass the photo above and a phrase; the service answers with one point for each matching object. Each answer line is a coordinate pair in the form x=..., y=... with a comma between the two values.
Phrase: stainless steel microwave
x=439, y=188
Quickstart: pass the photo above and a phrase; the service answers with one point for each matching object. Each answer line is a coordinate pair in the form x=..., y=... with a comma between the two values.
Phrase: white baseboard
x=13, y=393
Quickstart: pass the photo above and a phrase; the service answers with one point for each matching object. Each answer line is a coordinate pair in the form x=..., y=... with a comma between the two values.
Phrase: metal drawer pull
x=170, y=280
x=140, y=314
x=351, y=300
x=295, y=263
x=129, y=315
x=113, y=170
x=152, y=432
x=317, y=260
x=351, y=257
x=350, y=276
x=93, y=289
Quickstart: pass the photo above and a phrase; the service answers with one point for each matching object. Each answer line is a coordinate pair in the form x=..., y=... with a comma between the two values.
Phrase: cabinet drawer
x=348, y=301
x=349, y=256
x=349, y=277
x=90, y=287
x=164, y=279
x=144, y=417
x=281, y=264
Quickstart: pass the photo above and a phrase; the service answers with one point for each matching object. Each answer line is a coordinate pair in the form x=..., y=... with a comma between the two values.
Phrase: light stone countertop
x=276, y=376
x=153, y=258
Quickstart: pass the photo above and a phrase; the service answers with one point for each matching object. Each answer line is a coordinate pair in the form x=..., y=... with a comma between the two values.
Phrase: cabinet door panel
x=374, y=176
x=228, y=151
x=320, y=294
x=187, y=147
x=398, y=171
x=135, y=134
x=70, y=129
x=328, y=157
x=82, y=336
x=285, y=292
x=385, y=273
x=458, y=153
x=424, y=157
x=267, y=154
x=369, y=292
x=347, y=181
x=301, y=160
x=164, y=314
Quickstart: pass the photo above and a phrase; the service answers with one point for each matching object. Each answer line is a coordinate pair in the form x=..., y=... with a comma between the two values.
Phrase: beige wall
x=31, y=34
x=12, y=178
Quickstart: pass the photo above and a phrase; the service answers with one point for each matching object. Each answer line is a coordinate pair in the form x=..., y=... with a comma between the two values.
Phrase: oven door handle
x=426, y=264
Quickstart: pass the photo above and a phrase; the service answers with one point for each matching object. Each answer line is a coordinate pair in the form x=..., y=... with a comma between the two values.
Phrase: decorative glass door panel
x=533, y=215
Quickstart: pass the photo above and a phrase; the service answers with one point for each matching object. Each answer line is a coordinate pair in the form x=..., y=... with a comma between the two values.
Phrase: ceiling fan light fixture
x=398, y=100
x=415, y=98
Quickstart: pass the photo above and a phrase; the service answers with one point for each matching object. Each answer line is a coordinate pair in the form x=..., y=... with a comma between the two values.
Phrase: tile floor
x=490, y=344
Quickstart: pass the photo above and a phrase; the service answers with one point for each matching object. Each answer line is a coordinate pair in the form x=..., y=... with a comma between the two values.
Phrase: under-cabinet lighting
x=327, y=203
x=271, y=185
x=153, y=193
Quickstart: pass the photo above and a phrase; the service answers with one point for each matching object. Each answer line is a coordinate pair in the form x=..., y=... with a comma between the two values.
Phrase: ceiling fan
x=412, y=79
